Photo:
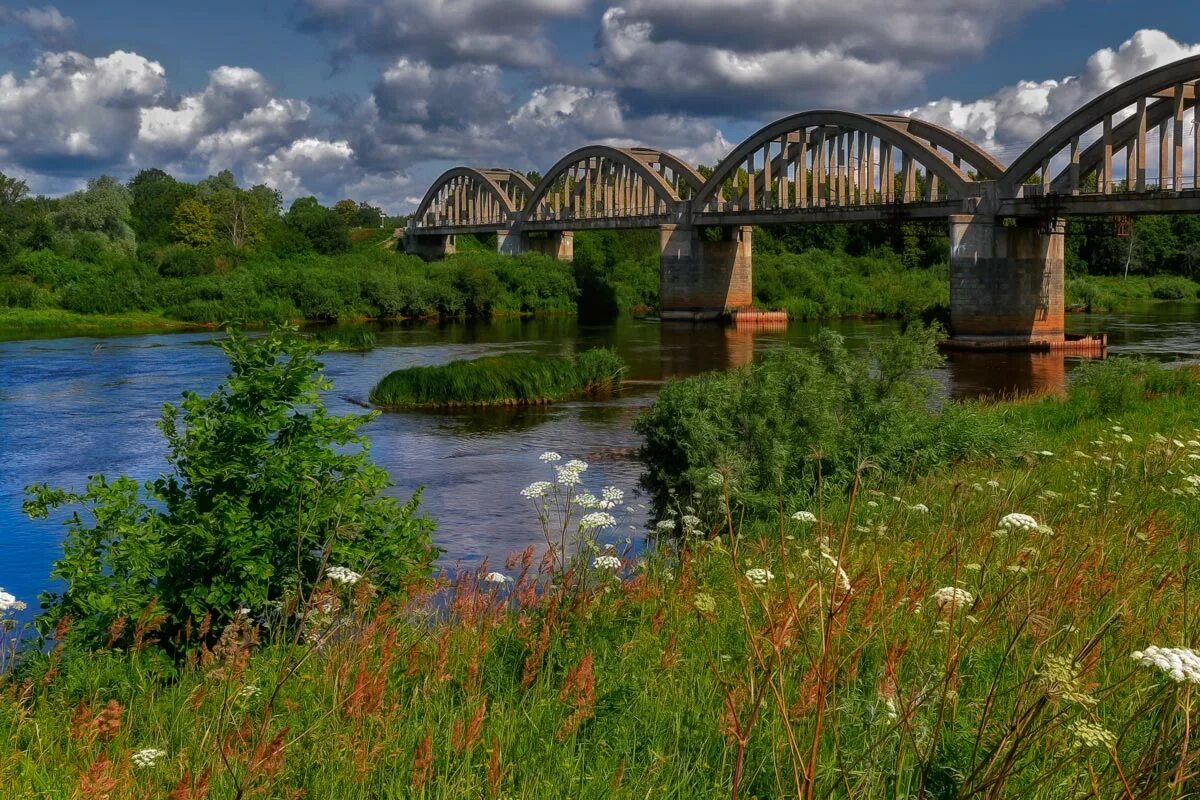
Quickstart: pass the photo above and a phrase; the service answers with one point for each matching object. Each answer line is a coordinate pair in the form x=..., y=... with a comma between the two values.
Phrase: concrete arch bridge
x=827, y=166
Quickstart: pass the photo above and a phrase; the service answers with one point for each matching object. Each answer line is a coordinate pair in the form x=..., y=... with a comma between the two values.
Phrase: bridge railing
x=1149, y=185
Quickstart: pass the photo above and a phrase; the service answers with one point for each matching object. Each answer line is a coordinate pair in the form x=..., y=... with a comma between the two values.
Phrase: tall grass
x=520, y=379
x=906, y=640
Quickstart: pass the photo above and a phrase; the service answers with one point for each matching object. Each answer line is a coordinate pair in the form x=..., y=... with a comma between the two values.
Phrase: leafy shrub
x=264, y=486
x=1170, y=288
x=18, y=292
x=183, y=261
x=801, y=417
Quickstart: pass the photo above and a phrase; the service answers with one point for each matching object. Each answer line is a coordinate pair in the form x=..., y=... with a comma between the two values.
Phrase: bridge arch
x=1159, y=97
x=473, y=197
x=612, y=182
x=961, y=149
x=823, y=158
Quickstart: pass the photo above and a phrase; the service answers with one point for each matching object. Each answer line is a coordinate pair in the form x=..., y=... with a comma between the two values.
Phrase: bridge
x=1006, y=223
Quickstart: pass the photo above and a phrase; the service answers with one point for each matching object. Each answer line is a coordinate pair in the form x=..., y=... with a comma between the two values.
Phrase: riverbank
x=1094, y=293
x=971, y=628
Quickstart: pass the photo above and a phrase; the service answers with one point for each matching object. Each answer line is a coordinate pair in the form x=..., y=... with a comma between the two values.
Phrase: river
x=72, y=407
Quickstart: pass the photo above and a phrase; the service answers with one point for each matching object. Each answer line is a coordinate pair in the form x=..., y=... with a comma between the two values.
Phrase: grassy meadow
x=979, y=630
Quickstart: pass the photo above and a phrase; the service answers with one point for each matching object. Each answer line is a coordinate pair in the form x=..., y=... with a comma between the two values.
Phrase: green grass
x=677, y=677
x=520, y=379
x=17, y=321
x=1095, y=293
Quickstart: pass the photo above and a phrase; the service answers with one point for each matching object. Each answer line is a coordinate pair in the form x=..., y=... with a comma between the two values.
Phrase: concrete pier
x=1006, y=282
x=559, y=245
x=702, y=276
x=430, y=247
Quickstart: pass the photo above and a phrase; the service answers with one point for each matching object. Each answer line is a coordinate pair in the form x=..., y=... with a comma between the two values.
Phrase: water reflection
x=70, y=408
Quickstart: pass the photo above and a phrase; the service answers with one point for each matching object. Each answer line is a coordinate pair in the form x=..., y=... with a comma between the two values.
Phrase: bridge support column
x=702, y=276
x=1006, y=282
x=558, y=245
x=429, y=247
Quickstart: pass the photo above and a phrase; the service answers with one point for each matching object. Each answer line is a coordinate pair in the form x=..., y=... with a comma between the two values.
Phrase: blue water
x=73, y=407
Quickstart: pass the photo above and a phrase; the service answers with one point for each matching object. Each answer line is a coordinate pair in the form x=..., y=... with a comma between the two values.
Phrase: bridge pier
x=1006, y=282
x=429, y=247
x=702, y=276
x=559, y=245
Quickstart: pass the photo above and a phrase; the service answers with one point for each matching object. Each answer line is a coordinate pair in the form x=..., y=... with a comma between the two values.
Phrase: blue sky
x=372, y=98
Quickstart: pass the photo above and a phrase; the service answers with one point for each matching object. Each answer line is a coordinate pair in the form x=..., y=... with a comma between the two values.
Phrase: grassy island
x=521, y=379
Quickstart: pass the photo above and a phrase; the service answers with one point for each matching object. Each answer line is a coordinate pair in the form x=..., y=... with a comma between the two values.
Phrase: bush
x=183, y=261
x=802, y=418
x=1173, y=288
x=265, y=487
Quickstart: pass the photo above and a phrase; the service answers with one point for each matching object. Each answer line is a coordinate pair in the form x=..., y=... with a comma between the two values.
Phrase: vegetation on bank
x=1112, y=293
x=1012, y=625
x=519, y=379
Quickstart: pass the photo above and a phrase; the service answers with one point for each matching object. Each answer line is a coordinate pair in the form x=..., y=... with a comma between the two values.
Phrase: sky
x=372, y=99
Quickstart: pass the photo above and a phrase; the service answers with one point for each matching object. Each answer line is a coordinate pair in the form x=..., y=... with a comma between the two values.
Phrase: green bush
x=265, y=487
x=800, y=417
x=20, y=292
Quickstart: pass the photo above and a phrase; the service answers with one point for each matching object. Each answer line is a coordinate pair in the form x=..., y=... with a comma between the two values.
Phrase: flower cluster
x=597, y=519
x=9, y=603
x=343, y=575
x=606, y=562
x=1090, y=736
x=549, y=457
x=496, y=577
x=1181, y=663
x=807, y=517
x=536, y=489
x=953, y=598
x=1019, y=522
x=759, y=576
x=147, y=758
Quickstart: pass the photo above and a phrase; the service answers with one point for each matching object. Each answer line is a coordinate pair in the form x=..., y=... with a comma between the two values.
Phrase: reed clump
x=519, y=379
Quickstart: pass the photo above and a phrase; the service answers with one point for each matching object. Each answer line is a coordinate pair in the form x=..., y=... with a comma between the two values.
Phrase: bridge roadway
x=1006, y=224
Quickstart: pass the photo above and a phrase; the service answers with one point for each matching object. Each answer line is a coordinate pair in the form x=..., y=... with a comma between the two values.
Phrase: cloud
x=507, y=33
x=72, y=114
x=739, y=56
x=47, y=26
x=1008, y=120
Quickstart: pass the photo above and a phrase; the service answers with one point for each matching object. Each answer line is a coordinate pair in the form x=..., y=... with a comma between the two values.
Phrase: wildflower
x=1060, y=678
x=549, y=456
x=343, y=575
x=9, y=602
x=567, y=476
x=606, y=562
x=953, y=598
x=597, y=519
x=995, y=484
x=497, y=577
x=716, y=480
x=575, y=465
x=589, y=500
x=612, y=495
x=1090, y=736
x=705, y=603
x=1046, y=453
x=147, y=757
x=248, y=691
x=920, y=508
x=665, y=525
x=535, y=489
x=1125, y=437
x=807, y=517
x=759, y=576
x=1022, y=522
x=1181, y=663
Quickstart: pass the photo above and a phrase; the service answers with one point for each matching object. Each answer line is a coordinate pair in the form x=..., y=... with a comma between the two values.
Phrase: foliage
x=324, y=229
x=265, y=488
x=1111, y=293
x=904, y=643
x=798, y=419
x=501, y=380
x=192, y=224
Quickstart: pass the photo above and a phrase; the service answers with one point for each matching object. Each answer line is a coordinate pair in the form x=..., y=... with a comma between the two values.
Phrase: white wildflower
x=843, y=578
x=1090, y=736
x=576, y=465
x=1044, y=453
x=953, y=598
x=690, y=521
x=1016, y=521
x=589, y=500
x=597, y=519
x=248, y=691
x=612, y=496
x=665, y=525
x=535, y=489
x=9, y=602
x=549, y=456
x=147, y=757
x=343, y=575
x=920, y=508
x=1125, y=437
x=567, y=477
x=606, y=562
x=759, y=576
x=497, y=577
x=716, y=479
x=1181, y=663
x=807, y=517
x=995, y=484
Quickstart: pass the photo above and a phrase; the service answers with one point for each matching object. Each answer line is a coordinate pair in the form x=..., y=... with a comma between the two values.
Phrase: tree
x=322, y=227
x=216, y=183
x=346, y=211
x=268, y=200
x=12, y=190
x=156, y=196
x=103, y=207
x=193, y=224
x=368, y=216
x=265, y=489
x=238, y=216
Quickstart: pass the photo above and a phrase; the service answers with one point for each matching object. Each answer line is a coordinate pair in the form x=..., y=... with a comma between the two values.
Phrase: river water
x=72, y=407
